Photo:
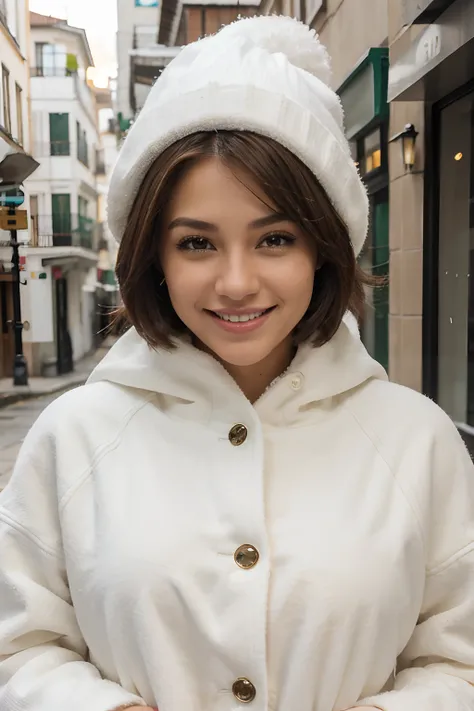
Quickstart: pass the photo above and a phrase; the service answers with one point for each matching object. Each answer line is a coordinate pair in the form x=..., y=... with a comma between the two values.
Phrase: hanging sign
x=13, y=219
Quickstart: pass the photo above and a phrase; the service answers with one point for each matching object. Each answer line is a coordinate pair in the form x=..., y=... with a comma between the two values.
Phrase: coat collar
x=189, y=375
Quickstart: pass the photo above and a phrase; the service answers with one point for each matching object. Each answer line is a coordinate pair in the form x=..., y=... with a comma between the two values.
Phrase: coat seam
x=100, y=453
x=32, y=537
x=400, y=487
x=454, y=558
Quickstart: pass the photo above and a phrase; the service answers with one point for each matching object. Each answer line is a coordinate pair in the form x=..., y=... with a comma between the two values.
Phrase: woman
x=239, y=508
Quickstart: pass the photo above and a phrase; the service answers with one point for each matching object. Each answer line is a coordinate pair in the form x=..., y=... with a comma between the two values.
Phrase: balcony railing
x=62, y=230
x=51, y=72
x=43, y=149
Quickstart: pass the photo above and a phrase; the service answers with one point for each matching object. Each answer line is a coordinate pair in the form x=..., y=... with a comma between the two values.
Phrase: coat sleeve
x=435, y=672
x=43, y=663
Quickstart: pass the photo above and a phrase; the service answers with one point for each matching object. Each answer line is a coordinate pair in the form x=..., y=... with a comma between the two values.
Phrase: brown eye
x=195, y=244
x=277, y=241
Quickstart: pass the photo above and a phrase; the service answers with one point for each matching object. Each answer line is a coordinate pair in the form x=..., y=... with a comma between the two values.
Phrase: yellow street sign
x=16, y=221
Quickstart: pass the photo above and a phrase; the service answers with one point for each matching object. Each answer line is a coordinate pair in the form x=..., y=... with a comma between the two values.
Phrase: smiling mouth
x=241, y=318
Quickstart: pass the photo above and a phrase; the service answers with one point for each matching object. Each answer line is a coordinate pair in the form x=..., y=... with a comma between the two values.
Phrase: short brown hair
x=289, y=185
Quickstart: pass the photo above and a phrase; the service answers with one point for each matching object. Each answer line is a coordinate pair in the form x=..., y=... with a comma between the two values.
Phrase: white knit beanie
x=263, y=74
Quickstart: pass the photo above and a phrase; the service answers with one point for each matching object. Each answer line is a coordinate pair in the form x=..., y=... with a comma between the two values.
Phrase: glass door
x=375, y=260
x=456, y=263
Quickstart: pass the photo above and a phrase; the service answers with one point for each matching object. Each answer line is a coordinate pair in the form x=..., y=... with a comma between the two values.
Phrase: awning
x=433, y=61
x=15, y=164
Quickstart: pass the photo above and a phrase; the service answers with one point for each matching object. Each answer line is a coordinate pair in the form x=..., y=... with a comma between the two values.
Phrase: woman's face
x=239, y=275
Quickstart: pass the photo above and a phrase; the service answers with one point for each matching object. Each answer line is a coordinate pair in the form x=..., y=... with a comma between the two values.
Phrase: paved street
x=15, y=421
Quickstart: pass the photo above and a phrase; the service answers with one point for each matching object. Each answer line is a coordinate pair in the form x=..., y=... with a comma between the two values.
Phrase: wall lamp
x=408, y=139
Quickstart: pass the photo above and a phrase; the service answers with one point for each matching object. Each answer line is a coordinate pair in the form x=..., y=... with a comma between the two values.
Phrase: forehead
x=209, y=186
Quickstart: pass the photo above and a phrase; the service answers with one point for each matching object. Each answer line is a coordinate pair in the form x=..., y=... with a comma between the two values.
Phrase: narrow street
x=15, y=421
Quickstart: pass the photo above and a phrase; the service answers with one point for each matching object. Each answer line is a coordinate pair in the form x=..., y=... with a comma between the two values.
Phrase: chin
x=241, y=355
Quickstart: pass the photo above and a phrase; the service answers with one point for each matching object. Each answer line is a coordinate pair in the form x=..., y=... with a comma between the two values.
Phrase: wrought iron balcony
x=51, y=71
x=63, y=230
x=43, y=149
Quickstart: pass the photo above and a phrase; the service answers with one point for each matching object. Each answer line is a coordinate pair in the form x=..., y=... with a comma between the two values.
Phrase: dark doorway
x=7, y=345
x=63, y=338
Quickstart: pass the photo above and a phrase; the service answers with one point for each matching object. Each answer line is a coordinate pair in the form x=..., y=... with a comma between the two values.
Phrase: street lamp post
x=15, y=167
x=20, y=366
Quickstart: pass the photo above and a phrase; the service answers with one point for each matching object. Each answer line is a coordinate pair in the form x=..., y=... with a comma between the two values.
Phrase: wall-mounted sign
x=13, y=219
x=146, y=3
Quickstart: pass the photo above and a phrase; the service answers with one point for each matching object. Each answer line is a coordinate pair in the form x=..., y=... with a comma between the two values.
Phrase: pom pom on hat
x=286, y=35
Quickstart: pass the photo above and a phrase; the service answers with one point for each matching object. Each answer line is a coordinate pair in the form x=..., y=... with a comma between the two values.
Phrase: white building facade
x=61, y=260
x=15, y=135
x=138, y=23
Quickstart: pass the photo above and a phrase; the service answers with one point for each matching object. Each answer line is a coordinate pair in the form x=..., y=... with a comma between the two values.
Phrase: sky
x=98, y=18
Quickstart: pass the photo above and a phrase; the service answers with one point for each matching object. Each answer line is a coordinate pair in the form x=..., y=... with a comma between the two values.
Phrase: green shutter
x=61, y=209
x=59, y=134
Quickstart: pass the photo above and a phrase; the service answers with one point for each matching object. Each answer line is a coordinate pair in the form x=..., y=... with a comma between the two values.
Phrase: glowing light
x=458, y=156
x=99, y=78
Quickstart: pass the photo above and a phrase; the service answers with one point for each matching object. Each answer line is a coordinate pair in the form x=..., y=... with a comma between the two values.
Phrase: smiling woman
x=238, y=507
x=249, y=245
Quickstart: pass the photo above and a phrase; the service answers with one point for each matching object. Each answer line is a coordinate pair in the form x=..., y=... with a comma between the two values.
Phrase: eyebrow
x=271, y=219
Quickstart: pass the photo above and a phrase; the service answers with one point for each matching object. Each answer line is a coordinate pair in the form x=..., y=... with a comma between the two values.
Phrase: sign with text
x=146, y=3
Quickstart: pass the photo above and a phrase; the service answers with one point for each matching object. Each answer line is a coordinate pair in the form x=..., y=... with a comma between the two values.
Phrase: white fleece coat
x=118, y=529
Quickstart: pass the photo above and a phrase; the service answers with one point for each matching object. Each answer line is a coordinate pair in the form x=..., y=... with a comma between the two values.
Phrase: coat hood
x=190, y=375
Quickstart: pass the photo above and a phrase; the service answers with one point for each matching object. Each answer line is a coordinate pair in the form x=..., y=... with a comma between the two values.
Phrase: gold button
x=244, y=690
x=238, y=435
x=246, y=556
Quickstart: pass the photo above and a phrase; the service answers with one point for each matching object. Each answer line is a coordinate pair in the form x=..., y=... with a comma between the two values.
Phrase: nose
x=238, y=278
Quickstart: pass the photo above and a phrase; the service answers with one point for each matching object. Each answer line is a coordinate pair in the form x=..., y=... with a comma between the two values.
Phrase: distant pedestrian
x=239, y=508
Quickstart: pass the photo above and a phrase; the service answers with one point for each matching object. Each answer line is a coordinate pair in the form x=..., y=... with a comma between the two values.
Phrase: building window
x=59, y=134
x=85, y=224
x=375, y=260
x=19, y=113
x=51, y=60
x=82, y=148
x=369, y=152
x=372, y=152
x=7, y=117
x=456, y=263
x=3, y=12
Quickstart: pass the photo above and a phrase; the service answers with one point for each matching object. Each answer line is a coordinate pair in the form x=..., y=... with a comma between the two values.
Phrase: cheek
x=187, y=284
x=297, y=278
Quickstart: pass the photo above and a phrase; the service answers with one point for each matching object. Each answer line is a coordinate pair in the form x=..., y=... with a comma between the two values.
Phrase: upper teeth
x=237, y=318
